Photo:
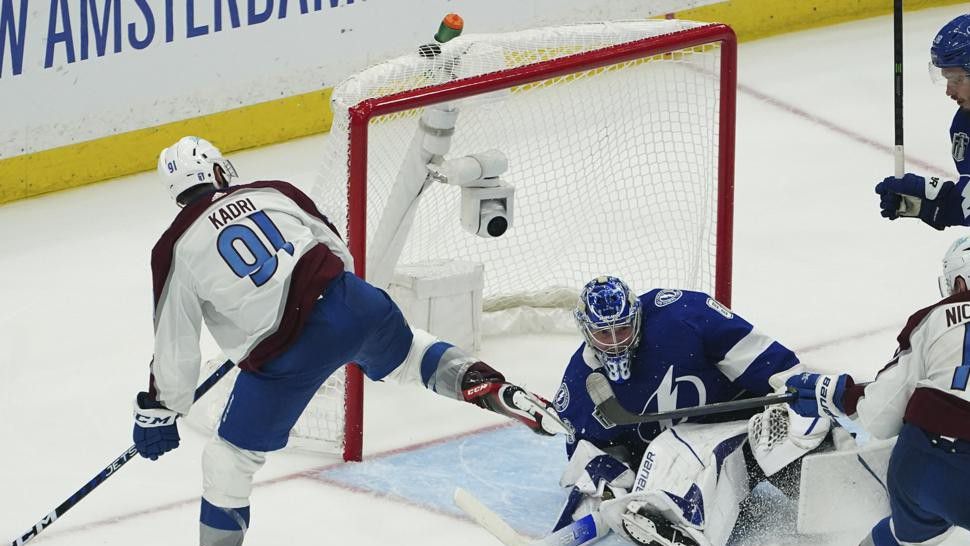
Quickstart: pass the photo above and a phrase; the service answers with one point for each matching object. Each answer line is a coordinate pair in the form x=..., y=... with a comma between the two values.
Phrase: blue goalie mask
x=951, y=46
x=608, y=314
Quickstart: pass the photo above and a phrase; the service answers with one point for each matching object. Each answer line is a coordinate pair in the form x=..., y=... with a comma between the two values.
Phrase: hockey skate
x=487, y=388
x=649, y=529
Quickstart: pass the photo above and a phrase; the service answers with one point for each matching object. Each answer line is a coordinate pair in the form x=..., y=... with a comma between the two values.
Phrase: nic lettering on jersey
x=227, y=213
x=957, y=314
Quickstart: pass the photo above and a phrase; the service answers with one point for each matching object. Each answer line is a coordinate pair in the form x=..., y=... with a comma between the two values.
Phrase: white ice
x=815, y=266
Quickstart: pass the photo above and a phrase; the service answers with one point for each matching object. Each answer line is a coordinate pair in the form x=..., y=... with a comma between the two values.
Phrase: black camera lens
x=496, y=226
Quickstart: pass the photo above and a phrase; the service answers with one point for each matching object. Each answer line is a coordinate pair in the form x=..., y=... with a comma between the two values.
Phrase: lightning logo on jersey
x=667, y=393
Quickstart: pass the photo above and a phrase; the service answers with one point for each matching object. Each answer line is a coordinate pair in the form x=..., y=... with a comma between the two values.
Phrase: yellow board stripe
x=753, y=19
x=137, y=151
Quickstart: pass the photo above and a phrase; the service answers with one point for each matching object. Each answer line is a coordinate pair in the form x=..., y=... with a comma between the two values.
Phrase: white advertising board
x=76, y=70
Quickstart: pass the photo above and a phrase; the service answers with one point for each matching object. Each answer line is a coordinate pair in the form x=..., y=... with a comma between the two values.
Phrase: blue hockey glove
x=818, y=394
x=940, y=203
x=156, y=432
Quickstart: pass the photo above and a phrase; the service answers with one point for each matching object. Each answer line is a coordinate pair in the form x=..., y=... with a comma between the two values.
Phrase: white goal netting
x=615, y=136
x=615, y=167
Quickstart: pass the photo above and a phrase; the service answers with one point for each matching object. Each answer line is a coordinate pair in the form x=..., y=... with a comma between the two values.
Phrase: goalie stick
x=109, y=470
x=609, y=409
x=576, y=533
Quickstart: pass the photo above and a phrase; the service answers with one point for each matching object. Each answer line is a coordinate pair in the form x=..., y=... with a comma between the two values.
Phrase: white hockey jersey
x=250, y=262
x=926, y=382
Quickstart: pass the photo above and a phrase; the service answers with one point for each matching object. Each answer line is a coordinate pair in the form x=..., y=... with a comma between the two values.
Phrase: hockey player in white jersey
x=673, y=483
x=921, y=398
x=272, y=280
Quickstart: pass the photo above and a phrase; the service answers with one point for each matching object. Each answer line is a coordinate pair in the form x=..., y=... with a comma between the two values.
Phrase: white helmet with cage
x=608, y=314
x=190, y=162
x=956, y=264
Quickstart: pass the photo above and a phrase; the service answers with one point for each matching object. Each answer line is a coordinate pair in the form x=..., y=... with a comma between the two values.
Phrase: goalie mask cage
x=620, y=141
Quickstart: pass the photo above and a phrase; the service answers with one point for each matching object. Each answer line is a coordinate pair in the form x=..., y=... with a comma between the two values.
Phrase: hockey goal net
x=620, y=144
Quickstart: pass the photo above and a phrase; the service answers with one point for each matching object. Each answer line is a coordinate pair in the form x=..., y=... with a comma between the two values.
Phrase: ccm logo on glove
x=155, y=421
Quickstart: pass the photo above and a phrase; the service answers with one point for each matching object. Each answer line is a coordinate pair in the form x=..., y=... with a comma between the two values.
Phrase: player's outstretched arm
x=486, y=388
x=449, y=371
x=938, y=203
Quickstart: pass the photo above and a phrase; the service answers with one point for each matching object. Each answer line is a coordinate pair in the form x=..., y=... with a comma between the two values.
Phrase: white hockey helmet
x=190, y=162
x=956, y=263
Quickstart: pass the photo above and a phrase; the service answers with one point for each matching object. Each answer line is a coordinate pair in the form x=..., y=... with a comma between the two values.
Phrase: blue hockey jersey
x=693, y=351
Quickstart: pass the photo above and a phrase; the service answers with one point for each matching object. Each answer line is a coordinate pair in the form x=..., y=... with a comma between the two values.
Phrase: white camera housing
x=487, y=212
x=486, y=200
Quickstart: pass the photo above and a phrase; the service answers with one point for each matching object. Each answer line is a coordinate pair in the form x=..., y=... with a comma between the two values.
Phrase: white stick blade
x=599, y=388
x=488, y=519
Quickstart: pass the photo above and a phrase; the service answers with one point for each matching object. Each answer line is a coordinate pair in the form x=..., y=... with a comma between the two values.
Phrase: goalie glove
x=486, y=388
x=778, y=436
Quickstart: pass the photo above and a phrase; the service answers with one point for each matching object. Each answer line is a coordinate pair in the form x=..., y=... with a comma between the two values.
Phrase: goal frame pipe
x=361, y=114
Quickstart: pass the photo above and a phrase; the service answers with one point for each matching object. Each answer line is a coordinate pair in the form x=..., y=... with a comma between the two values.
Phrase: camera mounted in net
x=486, y=199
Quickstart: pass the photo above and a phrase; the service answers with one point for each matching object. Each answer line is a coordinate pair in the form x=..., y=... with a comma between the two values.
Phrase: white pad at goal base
x=845, y=489
x=443, y=298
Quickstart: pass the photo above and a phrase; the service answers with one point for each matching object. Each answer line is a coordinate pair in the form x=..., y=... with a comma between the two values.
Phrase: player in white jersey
x=273, y=282
x=921, y=397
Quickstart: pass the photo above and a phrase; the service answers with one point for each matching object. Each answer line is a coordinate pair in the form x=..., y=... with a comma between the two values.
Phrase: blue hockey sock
x=432, y=359
x=225, y=519
x=882, y=534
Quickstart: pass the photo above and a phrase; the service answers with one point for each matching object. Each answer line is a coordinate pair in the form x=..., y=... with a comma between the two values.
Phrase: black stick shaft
x=613, y=411
x=610, y=410
x=898, y=82
x=109, y=470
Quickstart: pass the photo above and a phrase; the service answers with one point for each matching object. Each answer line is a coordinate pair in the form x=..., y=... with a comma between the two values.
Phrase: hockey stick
x=898, y=155
x=908, y=205
x=109, y=470
x=609, y=408
x=576, y=533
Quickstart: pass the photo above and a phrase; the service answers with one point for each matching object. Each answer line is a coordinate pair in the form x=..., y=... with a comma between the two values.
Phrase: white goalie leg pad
x=593, y=475
x=227, y=473
x=577, y=474
x=623, y=516
x=779, y=436
x=695, y=477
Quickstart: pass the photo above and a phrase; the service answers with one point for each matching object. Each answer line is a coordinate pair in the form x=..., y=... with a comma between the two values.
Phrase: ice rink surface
x=815, y=267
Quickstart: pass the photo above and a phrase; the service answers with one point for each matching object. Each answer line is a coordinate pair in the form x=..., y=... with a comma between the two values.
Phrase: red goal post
x=671, y=45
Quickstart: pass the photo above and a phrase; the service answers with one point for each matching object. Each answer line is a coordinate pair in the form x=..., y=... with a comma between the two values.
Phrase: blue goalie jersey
x=693, y=351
